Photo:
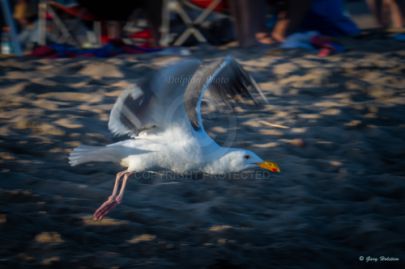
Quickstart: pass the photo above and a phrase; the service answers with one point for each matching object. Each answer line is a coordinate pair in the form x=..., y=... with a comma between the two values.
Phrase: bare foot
x=264, y=38
x=280, y=30
x=105, y=208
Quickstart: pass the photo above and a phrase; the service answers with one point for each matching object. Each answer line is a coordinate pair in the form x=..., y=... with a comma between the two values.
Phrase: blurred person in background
x=250, y=19
x=289, y=16
x=389, y=13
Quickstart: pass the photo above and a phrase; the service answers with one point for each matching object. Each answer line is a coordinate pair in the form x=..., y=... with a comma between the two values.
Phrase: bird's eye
x=247, y=157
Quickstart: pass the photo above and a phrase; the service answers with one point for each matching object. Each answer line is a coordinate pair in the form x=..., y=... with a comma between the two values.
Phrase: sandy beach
x=335, y=125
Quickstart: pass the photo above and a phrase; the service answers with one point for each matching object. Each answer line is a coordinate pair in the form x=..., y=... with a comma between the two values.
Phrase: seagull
x=162, y=116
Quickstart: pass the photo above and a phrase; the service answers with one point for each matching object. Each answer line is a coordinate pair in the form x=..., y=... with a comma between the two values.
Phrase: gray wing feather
x=145, y=106
x=226, y=81
x=127, y=115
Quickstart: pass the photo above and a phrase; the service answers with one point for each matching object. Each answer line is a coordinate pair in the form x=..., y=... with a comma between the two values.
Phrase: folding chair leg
x=165, y=27
x=207, y=11
x=58, y=22
x=191, y=31
x=175, y=6
x=42, y=7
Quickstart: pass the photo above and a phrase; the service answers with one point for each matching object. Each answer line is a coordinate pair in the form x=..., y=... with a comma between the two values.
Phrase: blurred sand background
x=341, y=193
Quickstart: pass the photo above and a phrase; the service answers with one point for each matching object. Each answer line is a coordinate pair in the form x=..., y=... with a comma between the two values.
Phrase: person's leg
x=244, y=21
x=153, y=10
x=259, y=11
x=296, y=11
x=289, y=20
x=114, y=29
x=279, y=32
x=377, y=7
x=397, y=20
x=401, y=5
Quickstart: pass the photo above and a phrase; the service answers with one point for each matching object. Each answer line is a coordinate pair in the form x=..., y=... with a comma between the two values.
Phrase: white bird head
x=235, y=160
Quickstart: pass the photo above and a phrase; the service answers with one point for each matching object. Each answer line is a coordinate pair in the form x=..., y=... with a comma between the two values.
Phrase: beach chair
x=193, y=25
x=49, y=13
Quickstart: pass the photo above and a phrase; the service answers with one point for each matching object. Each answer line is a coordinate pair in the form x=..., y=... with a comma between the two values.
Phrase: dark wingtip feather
x=228, y=82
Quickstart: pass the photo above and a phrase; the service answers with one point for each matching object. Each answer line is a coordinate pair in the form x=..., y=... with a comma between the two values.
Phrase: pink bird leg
x=114, y=199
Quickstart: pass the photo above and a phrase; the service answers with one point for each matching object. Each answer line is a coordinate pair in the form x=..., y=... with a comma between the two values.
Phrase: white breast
x=175, y=150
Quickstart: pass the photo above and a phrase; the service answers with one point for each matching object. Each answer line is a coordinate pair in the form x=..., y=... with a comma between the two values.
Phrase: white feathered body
x=173, y=149
x=178, y=149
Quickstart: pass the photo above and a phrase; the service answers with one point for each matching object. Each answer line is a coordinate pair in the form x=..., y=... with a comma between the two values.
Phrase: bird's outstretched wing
x=127, y=115
x=155, y=103
x=173, y=95
x=226, y=81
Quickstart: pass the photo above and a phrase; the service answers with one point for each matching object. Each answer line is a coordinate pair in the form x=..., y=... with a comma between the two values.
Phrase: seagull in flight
x=162, y=115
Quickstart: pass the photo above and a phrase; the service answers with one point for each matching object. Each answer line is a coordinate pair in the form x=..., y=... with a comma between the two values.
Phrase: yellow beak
x=272, y=167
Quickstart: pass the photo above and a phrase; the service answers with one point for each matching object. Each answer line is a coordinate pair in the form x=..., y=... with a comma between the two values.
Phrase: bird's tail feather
x=84, y=154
